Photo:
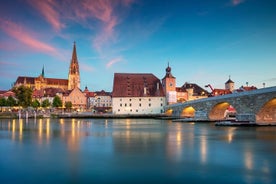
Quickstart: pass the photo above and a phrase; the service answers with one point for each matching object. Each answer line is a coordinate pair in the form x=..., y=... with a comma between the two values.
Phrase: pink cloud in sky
x=113, y=61
x=47, y=9
x=237, y=2
x=22, y=35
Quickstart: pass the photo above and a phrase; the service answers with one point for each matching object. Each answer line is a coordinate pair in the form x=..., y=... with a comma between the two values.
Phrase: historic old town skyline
x=204, y=41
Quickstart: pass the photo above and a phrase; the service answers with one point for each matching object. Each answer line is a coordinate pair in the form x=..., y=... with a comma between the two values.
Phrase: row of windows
x=140, y=105
x=161, y=111
x=141, y=99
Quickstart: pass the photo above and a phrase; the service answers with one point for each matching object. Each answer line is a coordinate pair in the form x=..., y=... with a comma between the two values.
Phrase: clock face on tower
x=171, y=84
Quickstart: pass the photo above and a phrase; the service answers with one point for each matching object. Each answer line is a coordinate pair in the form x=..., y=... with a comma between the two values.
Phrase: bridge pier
x=246, y=117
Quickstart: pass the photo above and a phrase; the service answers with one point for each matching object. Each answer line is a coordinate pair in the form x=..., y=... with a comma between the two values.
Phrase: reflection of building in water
x=132, y=140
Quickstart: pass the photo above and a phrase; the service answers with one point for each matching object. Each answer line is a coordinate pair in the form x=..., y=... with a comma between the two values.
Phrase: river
x=134, y=151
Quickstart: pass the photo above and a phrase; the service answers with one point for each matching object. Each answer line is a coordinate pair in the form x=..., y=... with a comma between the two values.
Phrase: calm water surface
x=134, y=151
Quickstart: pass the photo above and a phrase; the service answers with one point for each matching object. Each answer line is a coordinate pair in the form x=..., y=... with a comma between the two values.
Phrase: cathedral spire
x=74, y=74
x=42, y=73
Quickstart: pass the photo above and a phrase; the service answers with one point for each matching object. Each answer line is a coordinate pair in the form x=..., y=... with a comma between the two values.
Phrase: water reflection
x=90, y=148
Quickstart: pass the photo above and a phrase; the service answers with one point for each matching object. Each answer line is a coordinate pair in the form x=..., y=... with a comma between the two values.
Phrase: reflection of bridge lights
x=248, y=160
x=20, y=129
x=230, y=134
x=203, y=149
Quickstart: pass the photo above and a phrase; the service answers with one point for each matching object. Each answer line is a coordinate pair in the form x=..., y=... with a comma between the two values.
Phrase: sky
x=203, y=41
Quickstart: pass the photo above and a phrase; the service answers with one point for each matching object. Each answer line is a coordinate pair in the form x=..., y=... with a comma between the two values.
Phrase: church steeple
x=74, y=74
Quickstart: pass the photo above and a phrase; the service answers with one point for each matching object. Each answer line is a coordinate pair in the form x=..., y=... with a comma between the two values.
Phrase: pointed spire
x=74, y=75
x=42, y=73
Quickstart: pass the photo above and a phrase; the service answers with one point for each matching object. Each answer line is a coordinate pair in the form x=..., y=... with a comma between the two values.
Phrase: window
x=136, y=110
x=125, y=104
x=139, y=99
x=118, y=110
x=140, y=105
x=149, y=104
x=161, y=104
x=161, y=99
x=130, y=105
x=130, y=100
x=149, y=99
x=120, y=105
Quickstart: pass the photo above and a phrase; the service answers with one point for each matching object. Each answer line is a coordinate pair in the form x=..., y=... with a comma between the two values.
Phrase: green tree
x=68, y=105
x=24, y=95
x=46, y=103
x=35, y=104
x=57, y=102
x=11, y=101
x=3, y=102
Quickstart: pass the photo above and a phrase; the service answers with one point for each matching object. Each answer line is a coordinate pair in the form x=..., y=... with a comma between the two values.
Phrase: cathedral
x=41, y=82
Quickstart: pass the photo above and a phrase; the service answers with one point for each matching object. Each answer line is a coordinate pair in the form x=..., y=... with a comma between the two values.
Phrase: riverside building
x=137, y=93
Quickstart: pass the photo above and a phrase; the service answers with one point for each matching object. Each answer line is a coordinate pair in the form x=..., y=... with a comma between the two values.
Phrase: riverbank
x=13, y=115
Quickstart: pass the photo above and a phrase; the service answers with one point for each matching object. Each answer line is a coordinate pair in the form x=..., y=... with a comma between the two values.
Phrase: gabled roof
x=136, y=85
x=197, y=89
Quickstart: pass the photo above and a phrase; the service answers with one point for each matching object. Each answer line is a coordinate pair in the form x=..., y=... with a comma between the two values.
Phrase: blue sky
x=204, y=41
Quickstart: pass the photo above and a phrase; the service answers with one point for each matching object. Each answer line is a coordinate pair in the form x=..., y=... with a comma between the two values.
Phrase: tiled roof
x=136, y=85
x=54, y=81
x=49, y=81
x=197, y=89
x=102, y=93
x=229, y=81
x=22, y=79
x=7, y=94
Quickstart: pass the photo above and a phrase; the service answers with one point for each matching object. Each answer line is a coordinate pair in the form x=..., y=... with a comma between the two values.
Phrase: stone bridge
x=256, y=106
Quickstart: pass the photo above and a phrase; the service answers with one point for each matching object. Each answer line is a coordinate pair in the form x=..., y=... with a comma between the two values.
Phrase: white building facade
x=137, y=94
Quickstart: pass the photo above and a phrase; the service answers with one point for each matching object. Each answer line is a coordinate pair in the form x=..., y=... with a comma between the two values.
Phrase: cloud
x=236, y=2
x=113, y=61
x=47, y=9
x=19, y=33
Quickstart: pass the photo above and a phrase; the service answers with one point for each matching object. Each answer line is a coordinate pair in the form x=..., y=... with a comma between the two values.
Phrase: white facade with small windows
x=137, y=94
x=136, y=105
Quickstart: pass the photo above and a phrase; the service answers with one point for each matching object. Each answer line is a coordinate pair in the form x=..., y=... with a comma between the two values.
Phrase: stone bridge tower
x=74, y=74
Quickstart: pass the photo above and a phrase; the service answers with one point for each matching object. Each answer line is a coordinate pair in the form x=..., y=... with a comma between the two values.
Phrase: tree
x=57, y=101
x=35, y=104
x=3, y=102
x=24, y=95
x=11, y=101
x=68, y=105
x=46, y=103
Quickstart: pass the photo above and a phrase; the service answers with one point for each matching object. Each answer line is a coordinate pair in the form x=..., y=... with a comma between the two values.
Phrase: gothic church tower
x=74, y=74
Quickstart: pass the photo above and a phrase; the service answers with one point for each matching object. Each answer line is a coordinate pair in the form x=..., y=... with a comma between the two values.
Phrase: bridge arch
x=267, y=113
x=188, y=112
x=221, y=111
x=169, y=112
